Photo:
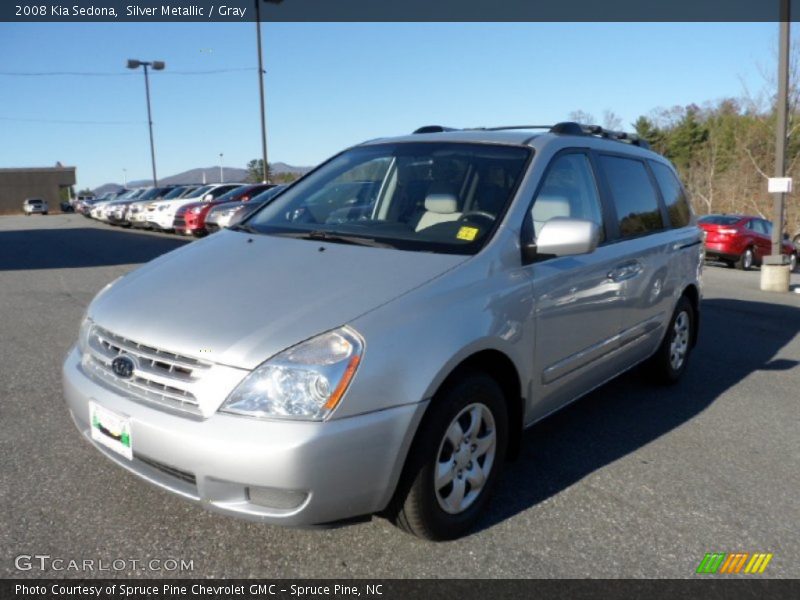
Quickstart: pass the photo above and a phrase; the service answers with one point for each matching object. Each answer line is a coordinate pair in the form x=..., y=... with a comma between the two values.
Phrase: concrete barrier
x=775, y=278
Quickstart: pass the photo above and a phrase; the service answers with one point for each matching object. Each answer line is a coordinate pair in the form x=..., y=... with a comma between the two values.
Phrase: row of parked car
x=194, y=209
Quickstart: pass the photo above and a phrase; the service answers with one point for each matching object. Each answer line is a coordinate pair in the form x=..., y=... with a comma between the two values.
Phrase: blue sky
x=334, y=84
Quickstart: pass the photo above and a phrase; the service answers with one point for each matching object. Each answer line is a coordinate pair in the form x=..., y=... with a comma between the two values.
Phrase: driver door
x=577, y=306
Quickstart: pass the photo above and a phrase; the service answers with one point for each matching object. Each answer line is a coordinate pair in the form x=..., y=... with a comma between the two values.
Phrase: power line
x=60, y=121
x=115, y=74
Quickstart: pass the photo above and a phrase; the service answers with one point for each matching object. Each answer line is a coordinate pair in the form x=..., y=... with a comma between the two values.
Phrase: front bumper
x=161, y=219
x=334, y=470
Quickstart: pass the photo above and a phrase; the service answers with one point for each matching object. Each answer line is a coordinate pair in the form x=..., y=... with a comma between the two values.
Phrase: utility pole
x=780, y=128
x=775, y=270
x=125, y=178
x=221, y=174
x=261, y=88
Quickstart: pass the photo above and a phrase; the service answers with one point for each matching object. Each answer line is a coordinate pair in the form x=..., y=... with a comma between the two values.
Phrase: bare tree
x=611, y=121
x=582, y=117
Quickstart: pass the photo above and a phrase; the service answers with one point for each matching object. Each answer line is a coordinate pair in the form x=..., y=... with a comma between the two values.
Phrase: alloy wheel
x=465, y=458
x=680, y=341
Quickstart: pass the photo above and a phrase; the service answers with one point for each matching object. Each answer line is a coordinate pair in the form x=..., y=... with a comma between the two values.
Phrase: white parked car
x=34, y=205
x=98, y=210
x=161, y=214
x=137, y=211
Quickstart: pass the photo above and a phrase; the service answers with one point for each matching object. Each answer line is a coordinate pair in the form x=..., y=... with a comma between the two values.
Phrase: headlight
x=83, y=335
x=305, y=382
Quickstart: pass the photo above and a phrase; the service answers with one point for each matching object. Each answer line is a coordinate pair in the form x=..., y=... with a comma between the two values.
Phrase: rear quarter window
x=633, y=195
x=680, y=213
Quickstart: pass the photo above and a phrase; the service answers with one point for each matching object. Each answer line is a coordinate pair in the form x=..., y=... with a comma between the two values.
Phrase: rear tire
x=453, y=464
x=745, y=262
x=670, y=360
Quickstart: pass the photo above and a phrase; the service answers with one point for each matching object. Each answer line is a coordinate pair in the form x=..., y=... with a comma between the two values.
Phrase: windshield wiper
x=337, y=238
x=243, y=227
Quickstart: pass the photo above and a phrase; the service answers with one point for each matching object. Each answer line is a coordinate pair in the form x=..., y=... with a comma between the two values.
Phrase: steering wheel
x=477, y=213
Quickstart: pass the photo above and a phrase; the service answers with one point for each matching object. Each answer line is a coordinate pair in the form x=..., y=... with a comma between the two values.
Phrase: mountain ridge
x=230, y=174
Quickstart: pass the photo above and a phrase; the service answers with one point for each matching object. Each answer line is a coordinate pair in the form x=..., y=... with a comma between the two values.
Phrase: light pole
x=221, y=174
x=261, y=87
x=125, y=178
x=157, y=65
x=775, y=273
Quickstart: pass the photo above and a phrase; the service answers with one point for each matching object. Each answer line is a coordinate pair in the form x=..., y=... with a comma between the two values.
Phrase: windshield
x=150, y=194
x=267, y=194
x=439, y=197
x=234, y=194
x=199, y=192
x=174, y=193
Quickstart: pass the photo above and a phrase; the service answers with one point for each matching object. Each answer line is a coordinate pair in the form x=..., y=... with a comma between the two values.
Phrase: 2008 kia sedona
x=376, y=338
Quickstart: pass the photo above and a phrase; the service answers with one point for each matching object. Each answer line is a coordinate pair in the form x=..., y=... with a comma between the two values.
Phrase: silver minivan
x=376, y=338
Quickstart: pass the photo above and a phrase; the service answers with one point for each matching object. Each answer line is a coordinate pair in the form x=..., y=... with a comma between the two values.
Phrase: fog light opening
x=276, y=498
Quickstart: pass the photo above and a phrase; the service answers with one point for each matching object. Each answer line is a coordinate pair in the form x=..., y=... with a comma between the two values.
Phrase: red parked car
x=741, y=241
x=191, y=218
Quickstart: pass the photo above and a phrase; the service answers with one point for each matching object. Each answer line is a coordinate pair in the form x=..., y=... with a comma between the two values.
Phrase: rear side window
x=680, y=214
x=759, y=226
x=633, y=194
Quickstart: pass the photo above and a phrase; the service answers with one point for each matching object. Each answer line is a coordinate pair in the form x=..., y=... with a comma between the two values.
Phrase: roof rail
x=506, y=127
x=571, y=128
x=440, y=128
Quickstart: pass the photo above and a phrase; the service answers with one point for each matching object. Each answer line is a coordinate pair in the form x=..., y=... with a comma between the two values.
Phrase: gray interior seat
x=439, y=208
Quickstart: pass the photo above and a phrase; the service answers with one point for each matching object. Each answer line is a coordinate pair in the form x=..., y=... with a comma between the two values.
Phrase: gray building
x=33, y=182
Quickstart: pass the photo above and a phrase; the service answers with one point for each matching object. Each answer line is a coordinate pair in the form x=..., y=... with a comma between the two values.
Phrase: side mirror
x=562, y=236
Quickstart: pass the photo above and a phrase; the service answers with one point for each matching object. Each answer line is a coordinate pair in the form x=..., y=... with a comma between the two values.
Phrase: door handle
x=625, y=271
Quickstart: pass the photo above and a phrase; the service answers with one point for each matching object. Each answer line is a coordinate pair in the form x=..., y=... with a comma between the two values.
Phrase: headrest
x=443, y=204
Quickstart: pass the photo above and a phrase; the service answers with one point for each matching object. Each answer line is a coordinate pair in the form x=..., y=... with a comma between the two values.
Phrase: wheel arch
x=502, y=369
x=692, y=293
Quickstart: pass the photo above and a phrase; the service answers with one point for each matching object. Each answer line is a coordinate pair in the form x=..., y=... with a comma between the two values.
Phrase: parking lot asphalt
x=631, y=481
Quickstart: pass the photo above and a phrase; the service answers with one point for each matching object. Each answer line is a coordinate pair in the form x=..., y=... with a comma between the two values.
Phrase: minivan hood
x=238, y=299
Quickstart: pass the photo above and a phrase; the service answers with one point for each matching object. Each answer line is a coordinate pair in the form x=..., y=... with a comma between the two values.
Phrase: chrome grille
x=159, y=377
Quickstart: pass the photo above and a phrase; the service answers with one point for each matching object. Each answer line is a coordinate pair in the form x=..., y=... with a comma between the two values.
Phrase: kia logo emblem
x=122, y=367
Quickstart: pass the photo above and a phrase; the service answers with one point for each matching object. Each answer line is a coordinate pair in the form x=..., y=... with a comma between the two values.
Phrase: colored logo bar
x=735, y=562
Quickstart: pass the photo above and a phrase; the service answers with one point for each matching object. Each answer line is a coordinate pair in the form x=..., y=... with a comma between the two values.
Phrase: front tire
x=453, y=464
x=670, y=360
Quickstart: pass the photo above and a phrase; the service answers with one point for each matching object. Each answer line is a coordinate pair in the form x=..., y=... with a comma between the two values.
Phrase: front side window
x=429, y=196
x=633, y=195
x=568, y=190
x=680, y=214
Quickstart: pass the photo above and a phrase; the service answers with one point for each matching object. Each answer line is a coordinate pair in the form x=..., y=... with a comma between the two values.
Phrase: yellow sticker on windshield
x=467, y=233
